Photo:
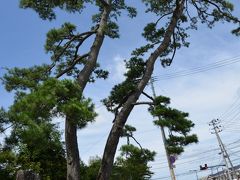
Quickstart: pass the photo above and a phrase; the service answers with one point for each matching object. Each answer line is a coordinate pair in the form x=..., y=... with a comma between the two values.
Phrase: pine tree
x=133, y=160
x=64, y=45
x=175, y=122
x=175, y=18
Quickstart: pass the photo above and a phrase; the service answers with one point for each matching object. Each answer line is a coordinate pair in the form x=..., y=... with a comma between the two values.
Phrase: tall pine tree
x=67, y=60
x=164, y=36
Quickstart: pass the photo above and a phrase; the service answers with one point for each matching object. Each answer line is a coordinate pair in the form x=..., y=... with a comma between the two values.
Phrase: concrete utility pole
x=224, y=153
x=170, y=165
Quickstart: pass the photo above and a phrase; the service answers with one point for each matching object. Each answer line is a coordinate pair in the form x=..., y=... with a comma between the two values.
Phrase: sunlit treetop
x=195, y=12
x=45, y=8
x=53, y=98
x=177, y=123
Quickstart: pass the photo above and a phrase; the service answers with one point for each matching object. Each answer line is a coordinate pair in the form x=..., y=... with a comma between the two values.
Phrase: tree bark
x=27, y=175
x=121, y=118
x=73, y=160
x=73, y=165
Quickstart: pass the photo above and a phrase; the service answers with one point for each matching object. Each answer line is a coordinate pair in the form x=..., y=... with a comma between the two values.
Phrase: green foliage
x=195, y=12
x=31, y=116
x=48, y=160
x=135, y=165
x=90, y=171
x=128, y=130
x=117, y=8
x=112, y=30
x=45, y=8
x=25, y=78
x=119, y=94
x=7, y=164
x=152, y=34
x=51, y=99
x=176, y=122
x=38, y=148
x=93, y=168
x=119, y=5
x=142, y=50
x=56, y=35
x=3, y=119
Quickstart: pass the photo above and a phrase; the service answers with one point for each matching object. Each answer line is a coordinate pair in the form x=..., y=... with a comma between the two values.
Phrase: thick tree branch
x=143, y=103
x=104, y=3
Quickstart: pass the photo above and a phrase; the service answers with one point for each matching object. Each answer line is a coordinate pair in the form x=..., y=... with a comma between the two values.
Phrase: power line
x=230, y=109
x=209, y=157
x=232, y=119
x=211, y=66
x=181, y=174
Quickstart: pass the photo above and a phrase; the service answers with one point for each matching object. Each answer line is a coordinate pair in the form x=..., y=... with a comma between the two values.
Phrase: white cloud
x=117, y=69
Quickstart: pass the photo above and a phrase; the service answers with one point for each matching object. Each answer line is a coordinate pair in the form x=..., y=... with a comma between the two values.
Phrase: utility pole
x=170, y=165
x=224, y=153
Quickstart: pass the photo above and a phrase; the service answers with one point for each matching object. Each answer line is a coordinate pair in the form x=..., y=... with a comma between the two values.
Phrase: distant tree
x=175, y=18
x=92, y=168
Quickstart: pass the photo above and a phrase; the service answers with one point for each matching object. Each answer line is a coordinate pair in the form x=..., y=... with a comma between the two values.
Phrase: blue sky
x=205, y=95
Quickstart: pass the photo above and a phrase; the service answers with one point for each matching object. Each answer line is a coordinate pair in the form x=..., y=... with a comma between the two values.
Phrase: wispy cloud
x=117, y=69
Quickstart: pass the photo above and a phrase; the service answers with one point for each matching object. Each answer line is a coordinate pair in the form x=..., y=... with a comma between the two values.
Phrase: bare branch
x=187, y=10
x=88, y=32
x=136, y=141
x=72, y=65
x=3, y=130
x=148, y=96
x=163, y=17
x=55, y=58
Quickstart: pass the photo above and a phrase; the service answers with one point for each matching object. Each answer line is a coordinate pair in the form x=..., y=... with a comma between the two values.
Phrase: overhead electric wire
x=232, y=119
x=232, y=130
x=199, y=158
x=230, y=114
x=180, y=174
x=230, y=109
x=210, y=157
x=217, y=64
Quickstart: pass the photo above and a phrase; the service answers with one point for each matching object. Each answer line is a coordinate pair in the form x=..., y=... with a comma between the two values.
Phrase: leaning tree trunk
x=121, y=118
x=73, y=160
